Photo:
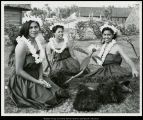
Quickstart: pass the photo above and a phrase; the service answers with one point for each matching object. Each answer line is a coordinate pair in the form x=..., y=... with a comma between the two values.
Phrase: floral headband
x=33, y=18
x=109, y=26
x=51, y=27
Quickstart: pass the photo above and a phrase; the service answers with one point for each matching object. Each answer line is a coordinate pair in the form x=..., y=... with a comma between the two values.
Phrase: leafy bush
x=80, y=29
x=47, y=33
x=129, y=30
x=12, y=31
x=95, y=25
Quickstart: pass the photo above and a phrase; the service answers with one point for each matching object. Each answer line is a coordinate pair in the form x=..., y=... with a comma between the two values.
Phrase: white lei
x=105, y=50
x=38, y=58
x=52, y=44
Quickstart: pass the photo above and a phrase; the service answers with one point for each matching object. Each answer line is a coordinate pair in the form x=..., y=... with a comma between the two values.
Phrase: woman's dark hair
x=25, y=28
x=107, y=28
x=23, y=31
x=54, y=29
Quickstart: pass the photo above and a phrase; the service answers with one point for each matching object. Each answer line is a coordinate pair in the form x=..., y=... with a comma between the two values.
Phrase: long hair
x=25, y=28
x=24, y=31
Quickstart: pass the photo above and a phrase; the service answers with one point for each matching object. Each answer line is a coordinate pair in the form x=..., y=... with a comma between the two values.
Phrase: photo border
x=60, y=114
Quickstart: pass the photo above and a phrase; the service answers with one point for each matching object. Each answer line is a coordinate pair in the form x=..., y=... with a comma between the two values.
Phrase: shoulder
x=118, y=46
x=21, y=47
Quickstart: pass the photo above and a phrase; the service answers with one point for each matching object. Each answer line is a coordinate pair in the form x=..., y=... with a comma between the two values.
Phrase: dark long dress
x=25, y=93
x=111, y=70
x=63, y=67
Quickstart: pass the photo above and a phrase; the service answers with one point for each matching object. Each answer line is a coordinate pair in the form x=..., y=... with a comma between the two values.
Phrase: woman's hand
x=135, y=73
x=92, y=48
x=44, y=83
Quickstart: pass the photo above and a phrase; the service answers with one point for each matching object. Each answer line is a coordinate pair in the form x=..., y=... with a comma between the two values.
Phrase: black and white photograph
x=71, y=58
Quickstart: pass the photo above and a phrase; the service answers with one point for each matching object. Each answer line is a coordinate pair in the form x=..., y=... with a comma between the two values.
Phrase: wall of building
x=12, y=16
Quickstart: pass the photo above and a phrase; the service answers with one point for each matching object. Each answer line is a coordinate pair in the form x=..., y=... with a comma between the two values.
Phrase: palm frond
x=80, y=50
x=85, y=63
x=94, y=59
x=97, y=57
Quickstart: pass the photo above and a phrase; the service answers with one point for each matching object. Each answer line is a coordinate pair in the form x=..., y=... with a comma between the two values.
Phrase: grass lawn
x=130, y=105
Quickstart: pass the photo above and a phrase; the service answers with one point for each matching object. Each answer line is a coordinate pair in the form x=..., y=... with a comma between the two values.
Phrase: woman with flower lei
x=62, y=60
x=27, y=85
x=111, y=55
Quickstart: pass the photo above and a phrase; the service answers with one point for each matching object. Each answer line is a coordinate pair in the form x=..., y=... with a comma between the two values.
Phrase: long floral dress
x=25, y=93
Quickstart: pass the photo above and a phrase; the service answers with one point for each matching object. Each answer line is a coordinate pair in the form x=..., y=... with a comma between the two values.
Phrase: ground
x=130, y=105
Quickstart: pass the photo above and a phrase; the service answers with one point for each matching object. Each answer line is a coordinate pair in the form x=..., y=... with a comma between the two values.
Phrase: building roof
x=97, y=11
x=85, y=11
x=20, y=6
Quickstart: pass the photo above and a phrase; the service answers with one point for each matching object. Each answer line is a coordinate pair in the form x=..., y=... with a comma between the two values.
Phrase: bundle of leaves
x=89, y=98
x=86, y=99
x=60, y=77
x=110, y=91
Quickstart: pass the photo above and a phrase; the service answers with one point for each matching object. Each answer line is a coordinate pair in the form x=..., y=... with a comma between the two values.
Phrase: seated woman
x=109, y=83
x=27, y=86
x=111, y=55
x=61, y=57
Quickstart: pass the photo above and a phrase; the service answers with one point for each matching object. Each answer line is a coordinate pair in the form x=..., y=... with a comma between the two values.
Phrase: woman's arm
x=48, y=51
x=41, y=72
x=20, y=53
x=128, y=60
x=92, y=48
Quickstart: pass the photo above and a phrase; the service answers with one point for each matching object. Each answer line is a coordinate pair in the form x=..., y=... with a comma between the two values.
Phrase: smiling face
x=107, y=36
x=59, y=33
x=33, y=30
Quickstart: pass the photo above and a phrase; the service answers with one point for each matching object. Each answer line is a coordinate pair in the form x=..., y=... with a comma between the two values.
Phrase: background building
x=13, y=13
x=115, y=14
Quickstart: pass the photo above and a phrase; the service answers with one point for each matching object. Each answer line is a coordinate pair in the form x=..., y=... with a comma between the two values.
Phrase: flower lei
x=38, y=58
x=52, y=44
x=105, y=50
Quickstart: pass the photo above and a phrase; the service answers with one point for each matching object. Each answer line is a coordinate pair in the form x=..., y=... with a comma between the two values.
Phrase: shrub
x=12, y=31
x=95, y=25
x=80, y=29
x=46, y=31
x=129, y=30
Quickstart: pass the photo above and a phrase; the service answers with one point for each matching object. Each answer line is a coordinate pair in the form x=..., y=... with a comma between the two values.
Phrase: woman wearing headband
x=61, y=57
x=27, y=86
x=111, y=55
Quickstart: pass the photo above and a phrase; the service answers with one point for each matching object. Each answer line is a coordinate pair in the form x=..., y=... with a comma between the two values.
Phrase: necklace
x=38, y=58
x=105, y=50
x=53, y=42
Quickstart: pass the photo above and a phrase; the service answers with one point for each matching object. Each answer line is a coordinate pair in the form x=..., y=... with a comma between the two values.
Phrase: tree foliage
x=12, y=31
x=108, y=13
x=66, y=11
x=39, y=13
x=80, y=29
